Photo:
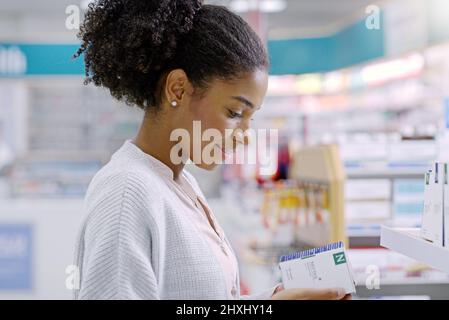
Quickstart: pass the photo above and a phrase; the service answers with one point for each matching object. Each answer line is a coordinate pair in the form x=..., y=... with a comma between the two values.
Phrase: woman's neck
x=153, y=138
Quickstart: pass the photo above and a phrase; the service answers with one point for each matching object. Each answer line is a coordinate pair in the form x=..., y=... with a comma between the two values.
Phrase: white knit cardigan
x=136, y=243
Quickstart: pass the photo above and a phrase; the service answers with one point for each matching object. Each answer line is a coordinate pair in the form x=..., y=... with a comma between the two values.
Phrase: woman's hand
x=310, y=294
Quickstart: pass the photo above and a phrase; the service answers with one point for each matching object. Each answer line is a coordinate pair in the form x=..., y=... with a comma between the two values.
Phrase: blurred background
x=358, y=89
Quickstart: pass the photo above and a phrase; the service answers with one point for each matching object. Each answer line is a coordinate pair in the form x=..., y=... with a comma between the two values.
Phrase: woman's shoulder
x=125, y=178
x=124, y=190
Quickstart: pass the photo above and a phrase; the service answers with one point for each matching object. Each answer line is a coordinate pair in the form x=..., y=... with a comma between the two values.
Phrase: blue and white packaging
x=446, y=206
x=324, y=267
x=432, y=228
x=426, y=224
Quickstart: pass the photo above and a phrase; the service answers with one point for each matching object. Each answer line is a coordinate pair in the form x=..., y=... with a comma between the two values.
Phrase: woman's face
x=226, y=107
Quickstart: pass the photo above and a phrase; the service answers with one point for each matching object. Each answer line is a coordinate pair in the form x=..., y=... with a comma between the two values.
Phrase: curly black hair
x=128, y=45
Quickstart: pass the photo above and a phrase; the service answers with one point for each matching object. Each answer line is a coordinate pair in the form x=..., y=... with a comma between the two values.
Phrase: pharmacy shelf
x=434, y=291
x=363, y=173
x=409, y=243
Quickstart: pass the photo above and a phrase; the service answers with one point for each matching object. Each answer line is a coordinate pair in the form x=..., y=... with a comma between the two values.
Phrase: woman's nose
x=241, y=137
x=245, y=125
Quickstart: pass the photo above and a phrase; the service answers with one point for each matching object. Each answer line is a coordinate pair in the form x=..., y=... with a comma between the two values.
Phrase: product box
x=324, y=267
x=432, y=223
x=428, y=224
x=446, y=206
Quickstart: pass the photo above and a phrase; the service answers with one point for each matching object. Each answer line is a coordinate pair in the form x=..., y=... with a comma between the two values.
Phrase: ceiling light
x=240, y=6
x=268, y=6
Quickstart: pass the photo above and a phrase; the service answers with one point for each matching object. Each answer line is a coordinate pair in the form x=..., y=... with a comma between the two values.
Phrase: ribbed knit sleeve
x=117, y=253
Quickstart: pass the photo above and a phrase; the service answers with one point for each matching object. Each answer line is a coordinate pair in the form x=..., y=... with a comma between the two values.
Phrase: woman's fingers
x=311, y=294
x=322, y=294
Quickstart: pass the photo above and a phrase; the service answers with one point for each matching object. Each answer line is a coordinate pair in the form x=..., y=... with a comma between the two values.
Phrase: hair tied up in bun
x=128, y=45
x=172, y=20
x=174, y=15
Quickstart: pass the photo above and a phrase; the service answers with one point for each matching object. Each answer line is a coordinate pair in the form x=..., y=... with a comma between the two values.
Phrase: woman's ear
x=176, y=86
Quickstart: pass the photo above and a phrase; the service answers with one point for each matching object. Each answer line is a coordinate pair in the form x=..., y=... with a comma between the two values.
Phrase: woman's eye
x=233, y=114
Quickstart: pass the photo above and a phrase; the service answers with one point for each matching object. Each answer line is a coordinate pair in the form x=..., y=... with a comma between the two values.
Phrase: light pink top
x=214, y=235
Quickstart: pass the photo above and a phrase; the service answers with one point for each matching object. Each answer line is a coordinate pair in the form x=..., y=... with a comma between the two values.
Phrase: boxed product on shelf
x=51, y=178
x=427, y=226
x=367, y=210
x=367, y=189
x=446, y=207
x=407, y=203
x=433, y=215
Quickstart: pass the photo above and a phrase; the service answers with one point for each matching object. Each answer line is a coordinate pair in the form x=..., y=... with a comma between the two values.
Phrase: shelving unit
x=385, y=174
x=323, y=165
x=409, y=243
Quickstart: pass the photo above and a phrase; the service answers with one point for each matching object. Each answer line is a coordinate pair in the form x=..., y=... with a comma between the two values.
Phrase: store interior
x=358, y=93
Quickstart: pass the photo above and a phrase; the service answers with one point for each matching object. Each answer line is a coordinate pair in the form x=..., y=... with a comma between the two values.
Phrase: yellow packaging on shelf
x=323, y=267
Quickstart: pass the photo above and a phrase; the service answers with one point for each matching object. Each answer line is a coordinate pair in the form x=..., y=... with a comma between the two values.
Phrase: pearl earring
x=174, y=103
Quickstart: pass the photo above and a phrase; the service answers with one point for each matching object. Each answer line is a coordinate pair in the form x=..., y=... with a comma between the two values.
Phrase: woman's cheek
x=231, y=129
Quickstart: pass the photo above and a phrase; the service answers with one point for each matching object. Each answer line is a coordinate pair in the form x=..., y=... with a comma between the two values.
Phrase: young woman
x=149, y=232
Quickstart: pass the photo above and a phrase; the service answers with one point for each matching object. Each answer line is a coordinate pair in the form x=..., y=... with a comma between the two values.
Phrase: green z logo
x=339, y=258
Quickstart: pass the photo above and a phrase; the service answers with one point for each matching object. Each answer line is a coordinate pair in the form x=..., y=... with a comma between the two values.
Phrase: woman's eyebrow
x=244, y=100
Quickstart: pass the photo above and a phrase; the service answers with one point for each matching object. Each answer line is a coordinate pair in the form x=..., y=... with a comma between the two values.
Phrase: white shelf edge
x=408, y=242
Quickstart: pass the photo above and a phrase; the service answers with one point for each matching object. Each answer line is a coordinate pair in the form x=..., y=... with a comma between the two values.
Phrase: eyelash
x=234, y=115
